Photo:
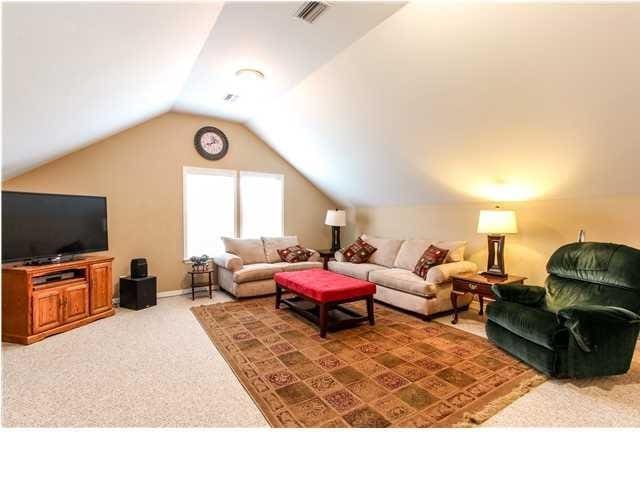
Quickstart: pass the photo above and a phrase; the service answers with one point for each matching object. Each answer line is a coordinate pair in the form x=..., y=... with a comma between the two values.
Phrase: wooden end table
x=194, y=285
x=478, y=284
x=326, y=256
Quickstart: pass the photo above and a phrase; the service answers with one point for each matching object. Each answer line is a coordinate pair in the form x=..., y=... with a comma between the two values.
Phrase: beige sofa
x=247, y=267
x=391, y=269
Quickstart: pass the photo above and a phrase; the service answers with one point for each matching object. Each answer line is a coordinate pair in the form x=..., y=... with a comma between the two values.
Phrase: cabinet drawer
x=472, y=287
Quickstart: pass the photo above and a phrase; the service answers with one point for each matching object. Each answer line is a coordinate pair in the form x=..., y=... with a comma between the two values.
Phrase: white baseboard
x=184, y=291
x=172, y=293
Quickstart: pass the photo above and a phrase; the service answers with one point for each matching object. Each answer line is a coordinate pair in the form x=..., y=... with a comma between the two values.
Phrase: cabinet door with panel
x=47, y=310
x=101, y=289
x=75, y=302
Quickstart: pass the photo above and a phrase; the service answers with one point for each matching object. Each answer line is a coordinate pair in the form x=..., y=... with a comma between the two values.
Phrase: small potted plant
x=199, y=264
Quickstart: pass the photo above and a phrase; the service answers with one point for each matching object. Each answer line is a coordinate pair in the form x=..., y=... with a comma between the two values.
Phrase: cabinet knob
x=472, y=286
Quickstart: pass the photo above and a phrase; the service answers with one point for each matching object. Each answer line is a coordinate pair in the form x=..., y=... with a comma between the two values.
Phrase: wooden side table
x=194, y=285
x=326, y=256
x=478, y=284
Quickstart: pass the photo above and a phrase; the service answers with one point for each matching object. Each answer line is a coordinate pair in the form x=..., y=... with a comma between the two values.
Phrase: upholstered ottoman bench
x=318, y=295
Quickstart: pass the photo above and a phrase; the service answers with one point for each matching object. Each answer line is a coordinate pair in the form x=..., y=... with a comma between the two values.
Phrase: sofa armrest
x=442, y=273
x=339, y=256
x=228, y=261
x=529, y=295
x=587, y=323
x=315, y=256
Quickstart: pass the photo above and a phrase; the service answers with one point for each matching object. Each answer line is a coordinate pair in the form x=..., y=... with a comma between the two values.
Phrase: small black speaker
x=138, y=293
x=138, y=268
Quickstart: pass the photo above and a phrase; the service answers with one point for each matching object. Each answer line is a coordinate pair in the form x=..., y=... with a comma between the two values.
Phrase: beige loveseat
x=391, y=269
x=247, y=267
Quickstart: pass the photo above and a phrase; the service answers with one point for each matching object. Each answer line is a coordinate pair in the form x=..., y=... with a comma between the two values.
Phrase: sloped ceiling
x=451, y=103
x=74, y=73
x=377, y=104
x=267, y=37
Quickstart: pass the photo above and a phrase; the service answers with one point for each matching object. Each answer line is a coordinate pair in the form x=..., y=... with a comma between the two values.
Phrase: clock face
x=211, y=143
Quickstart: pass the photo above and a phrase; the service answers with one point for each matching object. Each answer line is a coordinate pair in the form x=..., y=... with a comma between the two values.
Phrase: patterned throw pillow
x=431, y=257
x=294, y=254
x=358, y=252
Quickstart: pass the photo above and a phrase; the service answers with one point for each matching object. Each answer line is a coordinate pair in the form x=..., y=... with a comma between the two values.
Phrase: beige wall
x=140, y=172
x=543, y=227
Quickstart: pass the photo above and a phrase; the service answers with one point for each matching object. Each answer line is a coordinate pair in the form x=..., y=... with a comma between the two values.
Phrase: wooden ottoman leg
x=323, y=319
x=370, y=316
x=278, y=295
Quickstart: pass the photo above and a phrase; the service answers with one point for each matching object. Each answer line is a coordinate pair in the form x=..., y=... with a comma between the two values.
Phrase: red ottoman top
x=324, y=286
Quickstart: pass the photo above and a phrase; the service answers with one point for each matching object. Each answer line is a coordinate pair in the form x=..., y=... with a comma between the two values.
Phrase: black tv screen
x=39, y=225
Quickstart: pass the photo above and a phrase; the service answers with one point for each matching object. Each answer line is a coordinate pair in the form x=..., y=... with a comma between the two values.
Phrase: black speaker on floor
x=139, y=268
x=138, y=293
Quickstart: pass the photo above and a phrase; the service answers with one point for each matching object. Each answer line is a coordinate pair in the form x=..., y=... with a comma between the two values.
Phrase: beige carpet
x=157, y=368
x=152, y=368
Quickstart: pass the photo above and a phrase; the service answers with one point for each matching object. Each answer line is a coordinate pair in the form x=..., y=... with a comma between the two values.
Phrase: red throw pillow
x=431, y=257
x=294, y=254
x=358, y=252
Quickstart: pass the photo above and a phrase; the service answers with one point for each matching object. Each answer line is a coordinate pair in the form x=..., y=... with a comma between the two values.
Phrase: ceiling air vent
x=230, y=97
x=310, y=11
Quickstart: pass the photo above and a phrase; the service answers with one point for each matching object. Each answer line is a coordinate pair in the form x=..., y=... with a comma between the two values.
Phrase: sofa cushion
x=256, y=271
x=410, y=252
x=432, y=257
x=273, y=244
x=456, y=250
x=294, y=267
x=358, y=252
x=403, y=280
x=534, y=324
x=251, y=250
x=294, y=254
x=356, y=270
x=386, y=249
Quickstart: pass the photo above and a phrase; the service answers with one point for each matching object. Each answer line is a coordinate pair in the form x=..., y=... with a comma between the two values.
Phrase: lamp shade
x=336, y=218
x=497, y=221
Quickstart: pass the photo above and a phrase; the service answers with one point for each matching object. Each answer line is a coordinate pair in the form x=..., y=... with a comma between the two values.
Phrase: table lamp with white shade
x=496, y=223
x=336, y=219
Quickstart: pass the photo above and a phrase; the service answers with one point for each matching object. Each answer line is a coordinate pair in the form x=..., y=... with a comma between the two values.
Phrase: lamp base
x=495, y=262
x=335, y=239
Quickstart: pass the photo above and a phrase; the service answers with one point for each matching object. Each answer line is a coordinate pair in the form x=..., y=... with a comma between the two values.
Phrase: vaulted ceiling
x=376, y=103
x=74, y=73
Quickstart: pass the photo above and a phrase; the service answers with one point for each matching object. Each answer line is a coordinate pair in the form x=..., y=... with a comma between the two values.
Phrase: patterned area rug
x=402, y=372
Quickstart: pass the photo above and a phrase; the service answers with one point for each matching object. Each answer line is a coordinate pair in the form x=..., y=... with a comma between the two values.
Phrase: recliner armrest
x=228, y=261
x=585, y=322
x=442, y=273
x=530, y=295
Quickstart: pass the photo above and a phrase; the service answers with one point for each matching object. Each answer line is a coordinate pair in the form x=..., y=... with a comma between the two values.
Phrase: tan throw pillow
x=250, y=250
x=431, y=257
x=273, y=244
x=294, y=254
x=358, y=252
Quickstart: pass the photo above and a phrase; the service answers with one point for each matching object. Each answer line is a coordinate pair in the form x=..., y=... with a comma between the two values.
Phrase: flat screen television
x=44, y=226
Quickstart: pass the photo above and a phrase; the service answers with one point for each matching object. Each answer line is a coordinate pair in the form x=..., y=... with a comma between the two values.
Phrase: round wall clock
x=211, y=143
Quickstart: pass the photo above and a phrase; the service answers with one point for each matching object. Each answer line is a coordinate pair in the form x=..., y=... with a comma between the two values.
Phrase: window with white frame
x=209, y=197
x=222, y=203
x=261, y=200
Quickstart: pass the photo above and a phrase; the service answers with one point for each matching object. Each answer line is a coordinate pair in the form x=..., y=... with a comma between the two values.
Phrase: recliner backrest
x=592, y=273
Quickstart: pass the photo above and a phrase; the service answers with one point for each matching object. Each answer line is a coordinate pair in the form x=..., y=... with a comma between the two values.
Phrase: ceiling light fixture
x=250, y=74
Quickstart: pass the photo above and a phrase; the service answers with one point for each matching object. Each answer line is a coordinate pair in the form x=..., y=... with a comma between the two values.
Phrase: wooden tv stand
x=32, y=311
